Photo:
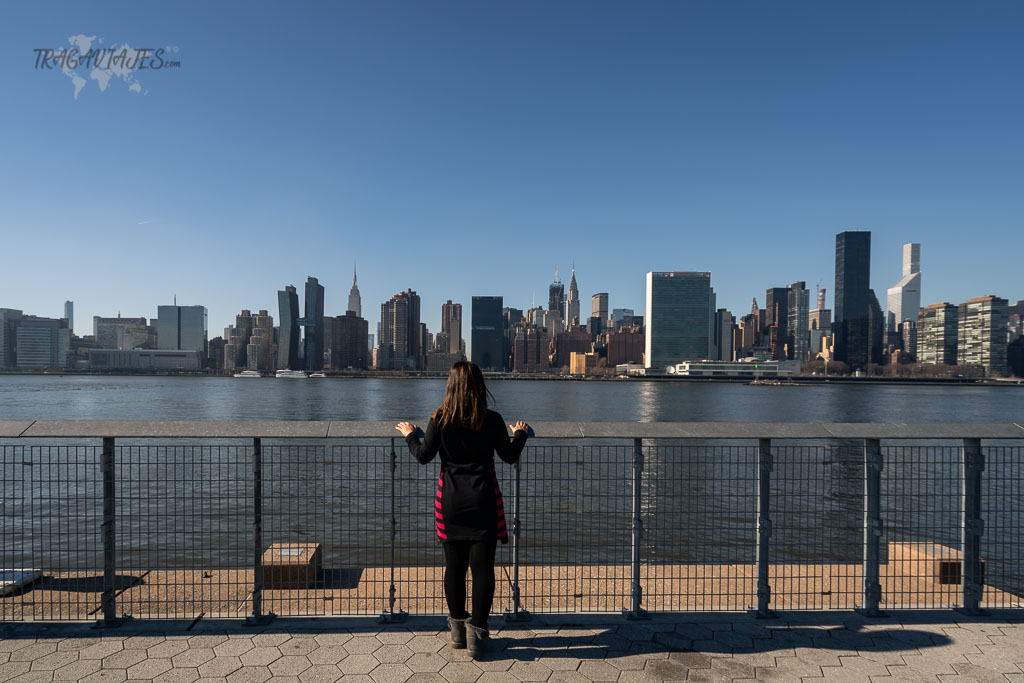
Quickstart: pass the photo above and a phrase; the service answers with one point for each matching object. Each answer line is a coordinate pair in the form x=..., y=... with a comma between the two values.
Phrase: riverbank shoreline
x=804, y=380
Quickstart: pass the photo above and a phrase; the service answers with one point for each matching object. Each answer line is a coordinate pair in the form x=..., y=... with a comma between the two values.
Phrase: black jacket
x=468, y=504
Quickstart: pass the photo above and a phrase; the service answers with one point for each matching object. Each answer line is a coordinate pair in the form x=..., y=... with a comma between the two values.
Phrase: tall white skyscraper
x=904, y=298
x=69, y=314
x=355, y=302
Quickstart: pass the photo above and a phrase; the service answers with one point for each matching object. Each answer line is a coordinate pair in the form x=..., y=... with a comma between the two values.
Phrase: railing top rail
x=291, y=429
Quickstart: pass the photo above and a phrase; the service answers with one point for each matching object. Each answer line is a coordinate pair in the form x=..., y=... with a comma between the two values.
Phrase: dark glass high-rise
x=313, y=322
x=288, y=336
x=852, y=299
x=488, y=333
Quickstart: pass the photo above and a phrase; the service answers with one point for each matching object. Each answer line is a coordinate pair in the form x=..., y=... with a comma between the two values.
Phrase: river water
x=217, y=398
x=187, y=505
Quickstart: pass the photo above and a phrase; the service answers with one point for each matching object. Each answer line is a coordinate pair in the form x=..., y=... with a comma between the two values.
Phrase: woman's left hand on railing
x=405, y=428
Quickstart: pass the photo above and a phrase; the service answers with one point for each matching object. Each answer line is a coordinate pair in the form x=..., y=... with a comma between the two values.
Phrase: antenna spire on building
x=556, y=274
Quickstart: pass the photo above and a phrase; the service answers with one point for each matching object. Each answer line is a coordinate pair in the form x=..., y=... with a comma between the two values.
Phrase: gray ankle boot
x=458, y=627
x=476, y=637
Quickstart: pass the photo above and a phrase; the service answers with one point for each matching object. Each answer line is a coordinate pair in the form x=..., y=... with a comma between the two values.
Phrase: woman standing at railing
x=469, y=514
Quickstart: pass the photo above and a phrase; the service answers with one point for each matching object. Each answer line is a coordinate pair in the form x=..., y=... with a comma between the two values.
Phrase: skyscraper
x=259, y=351
x=400, y=333
x=488, y=333
x=724, y=323
x=777, y=307
x=572, y=303
x=820, y=323
x=852, y=301
x=680, y=318
x=556, y=295
x=797, y=333
x=9, y=318
x=625, y=345
x=876, y=329
x=599, y=309
x=313, y=324
x=349, y=340
x=28, y=342
x=619, y=316
x=982, y=334
x=937, y=331
x=904, y=298
x=451, y=325
x=182, y=328
x=288, y=335
x=237, y=341
x=69, y=315
x=530, y=349
x=355, y=302
x=776, y=321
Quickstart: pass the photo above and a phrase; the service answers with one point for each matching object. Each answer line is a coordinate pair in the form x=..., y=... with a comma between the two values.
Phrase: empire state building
x=355, y=302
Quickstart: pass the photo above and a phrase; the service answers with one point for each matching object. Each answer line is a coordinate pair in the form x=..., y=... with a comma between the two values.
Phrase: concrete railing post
x=764, y=527
x=872, y=526
x=972, y=583
x=635, y=611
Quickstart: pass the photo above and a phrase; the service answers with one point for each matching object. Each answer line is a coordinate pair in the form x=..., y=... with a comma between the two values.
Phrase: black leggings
x=479, y=556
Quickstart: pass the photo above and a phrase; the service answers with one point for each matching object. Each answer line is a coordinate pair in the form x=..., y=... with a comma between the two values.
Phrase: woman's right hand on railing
x=520, y=426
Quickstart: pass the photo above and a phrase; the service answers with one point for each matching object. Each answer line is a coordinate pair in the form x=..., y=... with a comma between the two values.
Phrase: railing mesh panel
x=699, y=520
x=184, y=530
x=817, y=527
x=920, y=549
x=347, y=527
x=1002, y=545
x=335, y=497
x=52, y=512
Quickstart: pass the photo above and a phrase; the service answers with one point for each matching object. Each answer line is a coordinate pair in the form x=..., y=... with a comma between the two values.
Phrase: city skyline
x=681, y=323
x=717, y=152
x=436, y=326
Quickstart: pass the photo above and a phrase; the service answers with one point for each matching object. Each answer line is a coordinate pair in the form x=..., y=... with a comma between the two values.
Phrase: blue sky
x=465, y=148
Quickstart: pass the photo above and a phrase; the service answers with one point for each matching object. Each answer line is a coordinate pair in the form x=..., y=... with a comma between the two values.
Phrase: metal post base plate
x=398, y=617
x=770, y=614
x=511, y=616
x=102, y=623
x=639, y=615
x=872, y=614
x=261, y=620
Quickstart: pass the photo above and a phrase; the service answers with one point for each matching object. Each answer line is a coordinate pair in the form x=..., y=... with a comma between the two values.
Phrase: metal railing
x=251, y=519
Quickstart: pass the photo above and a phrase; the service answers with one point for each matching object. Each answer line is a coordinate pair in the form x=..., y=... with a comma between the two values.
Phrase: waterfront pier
x=617, y=529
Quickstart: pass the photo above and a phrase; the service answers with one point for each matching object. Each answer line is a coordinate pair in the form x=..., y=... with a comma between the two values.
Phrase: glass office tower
x=680, y=319
x=852, y=310
x=488, y=333
x=313, y=322
x=288, y=336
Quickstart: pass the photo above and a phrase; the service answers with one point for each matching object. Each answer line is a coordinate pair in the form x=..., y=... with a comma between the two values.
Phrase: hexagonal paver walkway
x=905, y=646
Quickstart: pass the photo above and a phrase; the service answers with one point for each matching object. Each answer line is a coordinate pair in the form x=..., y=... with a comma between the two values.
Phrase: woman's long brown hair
x=465, y=399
